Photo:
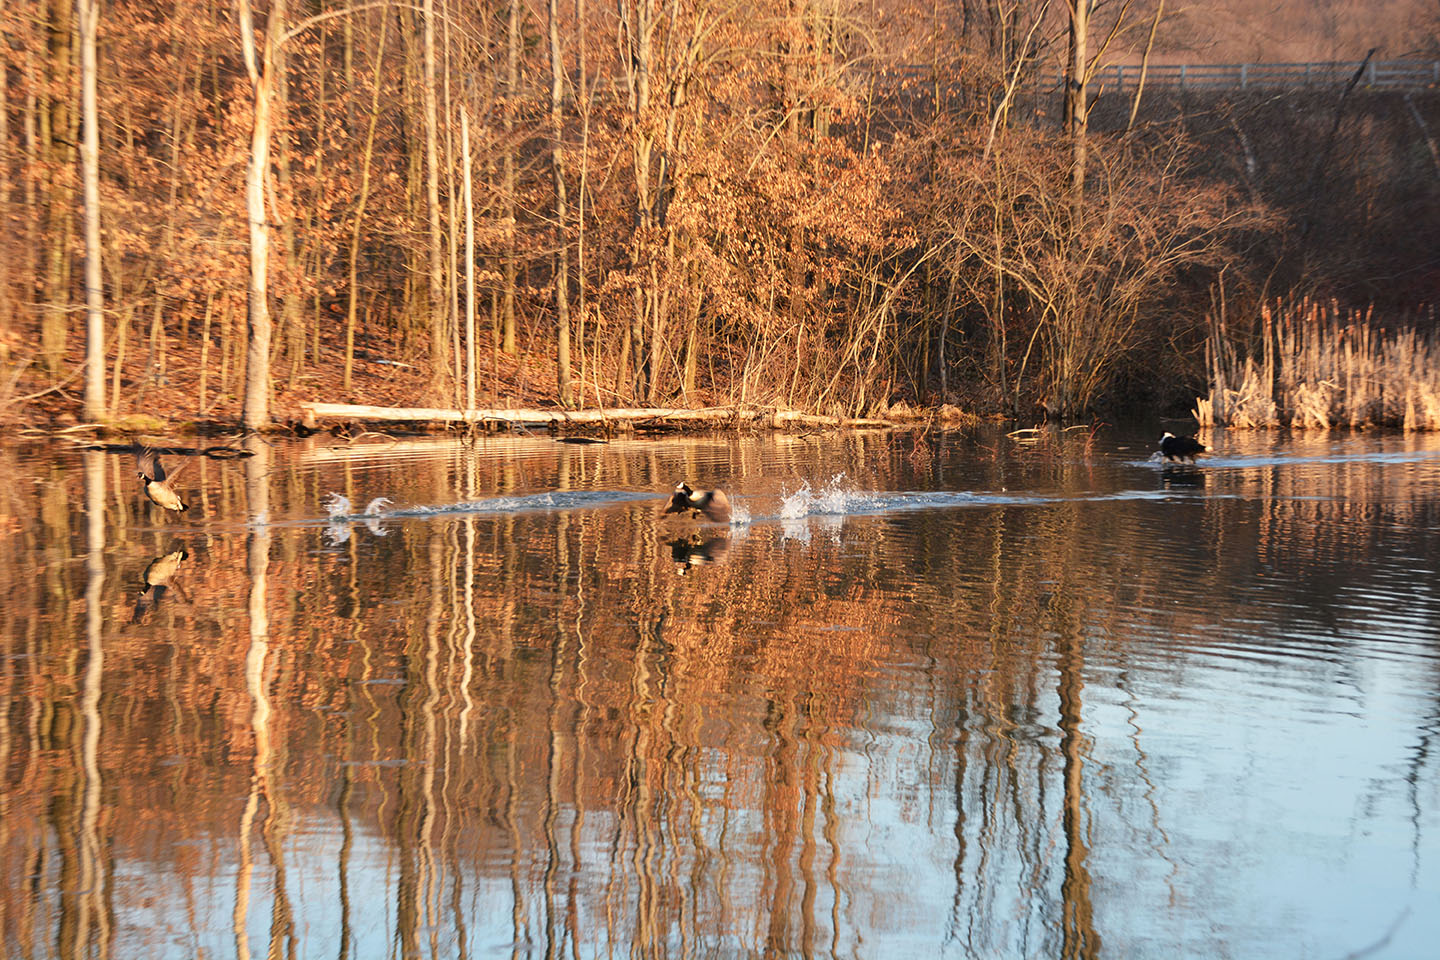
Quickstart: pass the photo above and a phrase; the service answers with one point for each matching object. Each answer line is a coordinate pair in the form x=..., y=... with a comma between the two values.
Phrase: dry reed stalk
x=1320, y=366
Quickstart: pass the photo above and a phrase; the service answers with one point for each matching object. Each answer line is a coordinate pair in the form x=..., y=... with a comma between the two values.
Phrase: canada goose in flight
x=157, y=483
x=1180, y=448
x=712, y=503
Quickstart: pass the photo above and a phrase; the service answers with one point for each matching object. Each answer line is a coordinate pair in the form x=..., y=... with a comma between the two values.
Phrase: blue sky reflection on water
x=939, y=696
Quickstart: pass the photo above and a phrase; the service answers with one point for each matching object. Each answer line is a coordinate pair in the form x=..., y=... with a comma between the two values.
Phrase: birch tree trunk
x=562, y=257
x=90, y=161
x=258, y=325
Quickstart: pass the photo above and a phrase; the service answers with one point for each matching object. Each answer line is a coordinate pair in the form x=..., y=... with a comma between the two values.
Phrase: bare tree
x=260, y=67
x=439, y=360
x=512, y=96
x=562, y=257
x=1077, y=105
x=90, y=161
x=469, y=355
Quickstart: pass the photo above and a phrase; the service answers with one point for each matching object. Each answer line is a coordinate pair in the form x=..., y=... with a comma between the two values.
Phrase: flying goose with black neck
x=157, y=481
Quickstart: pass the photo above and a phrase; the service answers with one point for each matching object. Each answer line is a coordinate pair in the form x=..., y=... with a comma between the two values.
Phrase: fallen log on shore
x=634, y=416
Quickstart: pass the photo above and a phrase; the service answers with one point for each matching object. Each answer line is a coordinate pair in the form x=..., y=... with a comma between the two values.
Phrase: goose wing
x=148, y=463
x=716, y=506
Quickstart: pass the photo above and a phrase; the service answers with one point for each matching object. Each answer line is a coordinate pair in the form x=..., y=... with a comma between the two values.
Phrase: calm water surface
x=950, y=695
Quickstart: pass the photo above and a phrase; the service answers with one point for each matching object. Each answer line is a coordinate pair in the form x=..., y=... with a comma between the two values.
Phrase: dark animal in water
x=157, y=483
x=1180, y=448
x=713, y=504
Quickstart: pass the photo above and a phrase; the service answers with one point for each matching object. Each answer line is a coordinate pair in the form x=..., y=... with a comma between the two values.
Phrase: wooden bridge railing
x=1378, y=74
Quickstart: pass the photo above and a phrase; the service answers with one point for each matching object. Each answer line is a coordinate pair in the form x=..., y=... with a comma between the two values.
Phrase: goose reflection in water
x=1185, y=475
x=696, y=551
x=158, y=577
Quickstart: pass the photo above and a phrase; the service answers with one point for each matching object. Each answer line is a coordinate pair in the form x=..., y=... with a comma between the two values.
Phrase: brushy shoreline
x=1312, y=365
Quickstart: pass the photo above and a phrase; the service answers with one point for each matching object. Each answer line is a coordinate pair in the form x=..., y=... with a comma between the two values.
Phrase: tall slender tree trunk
x=1077, y=107
x=90, y=159
x=582, y=101
x=452, y=213
x=562, y=256
x=636, y=49
x=291, y=325
x=512, y=92
x=352, y=304
x=469, y=361
x=259, y=65
x=439, y=328
x=8, y=255
x=57, y=117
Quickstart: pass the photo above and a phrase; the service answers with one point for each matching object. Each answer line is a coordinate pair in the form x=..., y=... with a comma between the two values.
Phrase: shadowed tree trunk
x=562, y=258
x=469, y=356
x=353, y=293
x=1076, y=116
x=439, y=328
x=512, y=88
x=57, y=119
x=637, y=30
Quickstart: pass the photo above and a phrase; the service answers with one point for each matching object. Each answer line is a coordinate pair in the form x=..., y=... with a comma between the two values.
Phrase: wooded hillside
x=821, y=204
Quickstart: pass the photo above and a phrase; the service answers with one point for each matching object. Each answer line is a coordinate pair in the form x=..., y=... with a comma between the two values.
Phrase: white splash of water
x=795, y=505
x=374, y=510
x=339, y=509
x=832, y=500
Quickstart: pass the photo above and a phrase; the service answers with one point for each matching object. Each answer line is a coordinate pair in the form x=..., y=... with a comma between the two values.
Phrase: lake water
x=943, y=695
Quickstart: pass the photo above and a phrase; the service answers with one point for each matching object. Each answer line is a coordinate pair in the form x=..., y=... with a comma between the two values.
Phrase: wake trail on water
x=341, y=513
x=837, y=499
x=834, y=499
x=1215, y=461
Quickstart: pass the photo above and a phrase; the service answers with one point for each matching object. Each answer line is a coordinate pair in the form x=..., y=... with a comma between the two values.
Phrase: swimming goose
x=1180, y=448
x=712, y=503
x=157, y=485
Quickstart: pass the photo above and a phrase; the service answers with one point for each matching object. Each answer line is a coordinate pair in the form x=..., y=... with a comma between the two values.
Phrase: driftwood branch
x=719, y=416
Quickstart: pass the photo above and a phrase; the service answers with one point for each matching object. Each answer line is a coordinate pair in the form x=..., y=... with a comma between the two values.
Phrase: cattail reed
x=1314, y=365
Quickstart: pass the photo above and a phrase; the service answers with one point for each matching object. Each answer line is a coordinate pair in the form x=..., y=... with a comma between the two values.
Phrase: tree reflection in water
x=971, y=730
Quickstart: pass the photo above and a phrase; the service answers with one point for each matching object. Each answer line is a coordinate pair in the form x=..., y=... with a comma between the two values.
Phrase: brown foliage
x=826, y=205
